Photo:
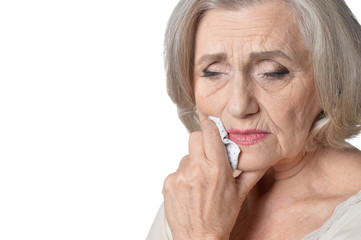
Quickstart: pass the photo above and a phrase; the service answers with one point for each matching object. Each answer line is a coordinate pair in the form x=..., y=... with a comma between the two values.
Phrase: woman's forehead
x=260, y=28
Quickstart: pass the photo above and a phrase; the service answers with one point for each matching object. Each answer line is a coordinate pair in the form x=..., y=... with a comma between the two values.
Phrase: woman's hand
x=202, y=199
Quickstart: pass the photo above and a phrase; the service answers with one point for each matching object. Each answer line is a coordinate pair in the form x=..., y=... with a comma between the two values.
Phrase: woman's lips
x=247, y=137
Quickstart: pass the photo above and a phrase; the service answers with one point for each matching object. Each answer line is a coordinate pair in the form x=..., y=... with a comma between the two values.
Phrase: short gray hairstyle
x=332, y=36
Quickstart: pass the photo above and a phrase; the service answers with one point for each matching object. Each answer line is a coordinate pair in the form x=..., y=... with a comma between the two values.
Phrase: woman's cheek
x=210, y=100
x=291, y=132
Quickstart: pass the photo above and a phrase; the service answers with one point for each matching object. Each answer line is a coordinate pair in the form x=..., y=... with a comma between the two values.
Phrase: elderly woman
x=284, y=78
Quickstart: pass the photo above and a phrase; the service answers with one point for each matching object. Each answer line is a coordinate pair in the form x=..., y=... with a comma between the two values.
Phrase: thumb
x=247, y=180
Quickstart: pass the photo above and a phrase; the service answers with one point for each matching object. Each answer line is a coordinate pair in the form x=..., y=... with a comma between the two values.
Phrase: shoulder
x=346, y=220
x=344, y=167
x=344, y=223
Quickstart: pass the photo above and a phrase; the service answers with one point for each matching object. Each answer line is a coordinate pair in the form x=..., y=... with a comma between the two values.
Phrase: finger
x=195, y=146
x=237, y=172
x=213, y=146
x=247, y=180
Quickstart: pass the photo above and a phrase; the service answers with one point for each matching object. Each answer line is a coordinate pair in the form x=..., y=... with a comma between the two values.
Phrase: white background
x=87, y=131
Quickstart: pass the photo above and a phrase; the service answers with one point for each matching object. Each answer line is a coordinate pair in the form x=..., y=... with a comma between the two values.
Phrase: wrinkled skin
x=251, y=70
x=202, y=198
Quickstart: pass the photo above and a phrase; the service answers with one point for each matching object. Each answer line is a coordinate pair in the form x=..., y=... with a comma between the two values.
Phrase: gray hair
x=332, y=36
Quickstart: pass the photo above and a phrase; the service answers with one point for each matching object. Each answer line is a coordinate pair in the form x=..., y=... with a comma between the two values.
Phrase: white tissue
x=232, y=148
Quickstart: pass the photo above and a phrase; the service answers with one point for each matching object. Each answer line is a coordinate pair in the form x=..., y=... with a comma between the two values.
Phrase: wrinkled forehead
x=265, y=26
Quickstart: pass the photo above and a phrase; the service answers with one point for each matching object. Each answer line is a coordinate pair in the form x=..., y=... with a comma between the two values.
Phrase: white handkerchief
x=232, y=148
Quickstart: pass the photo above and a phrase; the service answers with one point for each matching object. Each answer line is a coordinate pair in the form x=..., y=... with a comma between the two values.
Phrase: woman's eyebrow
x=212, y=58
x=253, y=56
x=269, y=54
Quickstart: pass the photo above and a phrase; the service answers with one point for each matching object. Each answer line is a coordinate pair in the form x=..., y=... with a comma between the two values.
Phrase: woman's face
x=251, y=70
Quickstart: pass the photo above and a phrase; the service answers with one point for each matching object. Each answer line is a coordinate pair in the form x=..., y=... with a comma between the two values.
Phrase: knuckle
x=168, y=183
x=195, y=173
x=185, y=158
x=183, y=163
x=216, y=172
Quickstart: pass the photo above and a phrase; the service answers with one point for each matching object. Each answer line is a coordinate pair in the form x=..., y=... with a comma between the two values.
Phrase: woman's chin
x=256, y=159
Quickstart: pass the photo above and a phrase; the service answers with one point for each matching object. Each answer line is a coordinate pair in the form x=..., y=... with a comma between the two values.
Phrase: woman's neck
x=291, y=168
x=309, y=189
x=320, y=173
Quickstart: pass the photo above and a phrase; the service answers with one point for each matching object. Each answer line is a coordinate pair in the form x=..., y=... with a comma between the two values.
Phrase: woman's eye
x=207, y=73
x=216, y=70
x=276, y=74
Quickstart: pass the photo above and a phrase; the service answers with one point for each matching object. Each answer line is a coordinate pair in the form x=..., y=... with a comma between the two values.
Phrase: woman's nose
x=242, y=102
